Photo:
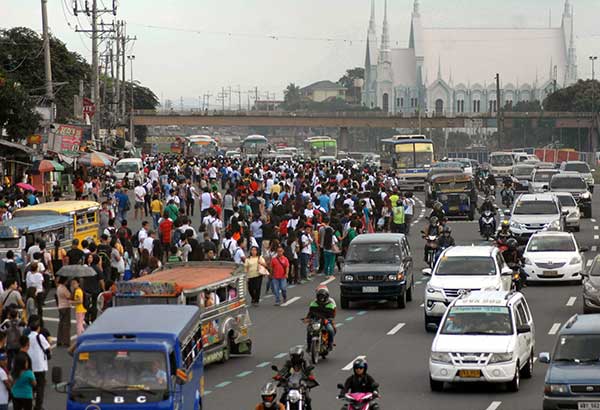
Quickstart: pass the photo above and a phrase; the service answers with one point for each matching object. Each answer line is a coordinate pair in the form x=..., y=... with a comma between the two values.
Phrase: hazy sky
x=233, y=46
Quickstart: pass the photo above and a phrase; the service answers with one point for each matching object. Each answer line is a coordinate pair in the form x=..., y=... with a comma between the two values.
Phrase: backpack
x=135, y=241
x=87, y=300
x=225, y=254
x=210, y=228
x=13, y=333
x=288, y=253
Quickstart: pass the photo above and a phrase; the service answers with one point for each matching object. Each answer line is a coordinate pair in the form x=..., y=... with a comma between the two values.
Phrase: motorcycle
x=431, y=244
x=357, y=401
x=517, y=279
x=488, y=224
x=490, y=190
x=295, y=389
x=508, y=197
x=319, y=339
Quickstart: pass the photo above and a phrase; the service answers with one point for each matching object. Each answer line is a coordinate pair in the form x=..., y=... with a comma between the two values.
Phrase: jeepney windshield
x=9, y=243
x=133, y=375
x=455, y=186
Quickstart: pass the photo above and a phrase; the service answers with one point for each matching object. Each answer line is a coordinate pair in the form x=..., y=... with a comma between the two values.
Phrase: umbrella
x=46, y=165
x=26, y=187
x=95, y=159
x=76, y=271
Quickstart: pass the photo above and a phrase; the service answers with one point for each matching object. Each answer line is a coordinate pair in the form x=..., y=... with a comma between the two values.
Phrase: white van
x=132, y=167
x=501, y=163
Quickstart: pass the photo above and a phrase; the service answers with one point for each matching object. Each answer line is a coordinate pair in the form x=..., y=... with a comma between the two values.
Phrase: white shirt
x=36, y=280
x=206, y=201
x=306, y=243
x=409, y=204
x=238, y=255
x=142, y=235
x=153, y=174
x=148, y=244
x=215, y=222
x=3, y=389
x=212, y=173
x=140, y=193
x=39, y=363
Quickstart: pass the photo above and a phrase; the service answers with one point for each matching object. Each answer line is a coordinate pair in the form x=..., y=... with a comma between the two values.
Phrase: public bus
x=254, y=146
x=321, y=148
x=200, y=146
x=136, y=357
x=84, y=214
x=411, y=156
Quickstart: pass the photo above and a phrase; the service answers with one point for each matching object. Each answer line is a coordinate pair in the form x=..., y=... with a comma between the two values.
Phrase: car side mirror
x=592, y=170
x=523, y=329
x=564, y=212
x=585, y=274
x=432, y=327
x=182, y=376
x=426, y=272
x=584, y=249
x=544, y=357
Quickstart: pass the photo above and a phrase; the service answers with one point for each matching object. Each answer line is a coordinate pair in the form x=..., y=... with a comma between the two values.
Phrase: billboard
x=66, y=139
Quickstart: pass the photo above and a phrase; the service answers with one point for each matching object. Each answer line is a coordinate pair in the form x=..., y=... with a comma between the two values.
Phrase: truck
x=138, y=357
x=217, y=288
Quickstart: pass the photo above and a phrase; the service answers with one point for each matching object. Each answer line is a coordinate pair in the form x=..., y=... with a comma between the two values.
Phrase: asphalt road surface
x=394, y=342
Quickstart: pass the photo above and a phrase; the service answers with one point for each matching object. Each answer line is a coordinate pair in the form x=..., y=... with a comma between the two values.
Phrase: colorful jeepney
x=218, y=288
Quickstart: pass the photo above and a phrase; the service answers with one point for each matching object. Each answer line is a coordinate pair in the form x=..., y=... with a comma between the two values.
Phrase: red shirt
x=166, y=229
x=279, y=264
x=218, y=210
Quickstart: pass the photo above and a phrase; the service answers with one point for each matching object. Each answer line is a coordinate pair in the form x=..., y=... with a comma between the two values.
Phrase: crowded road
x=394, y=342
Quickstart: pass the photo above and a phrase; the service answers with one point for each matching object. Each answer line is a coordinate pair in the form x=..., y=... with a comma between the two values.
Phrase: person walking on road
x=24, y=382
x=256, y=267
x=280, y=268
x=63, y=335
x=78, y=303
x=39, y=352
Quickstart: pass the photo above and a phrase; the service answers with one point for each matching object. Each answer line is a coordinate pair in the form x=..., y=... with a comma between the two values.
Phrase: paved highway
x=394, y=342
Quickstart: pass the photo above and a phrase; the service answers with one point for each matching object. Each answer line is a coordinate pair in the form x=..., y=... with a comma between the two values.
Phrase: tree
x=582, y=96
x=292, y=97
x=17, y=113
x=347, y=80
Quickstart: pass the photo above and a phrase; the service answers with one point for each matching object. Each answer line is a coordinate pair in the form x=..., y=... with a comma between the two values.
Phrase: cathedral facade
x=452, y=70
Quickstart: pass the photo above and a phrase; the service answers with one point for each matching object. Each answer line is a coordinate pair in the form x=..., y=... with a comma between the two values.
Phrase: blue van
x=138, y=358
x=573, y=376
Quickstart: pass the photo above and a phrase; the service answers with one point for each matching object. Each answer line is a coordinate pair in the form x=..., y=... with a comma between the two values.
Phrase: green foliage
x=17, y=113
x=352, y=74
x=580, y=97
x=291, y=97
x=524, y=106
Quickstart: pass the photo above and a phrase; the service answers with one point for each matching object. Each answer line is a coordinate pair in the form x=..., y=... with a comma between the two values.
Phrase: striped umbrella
x=95, y=159
x=46, y=165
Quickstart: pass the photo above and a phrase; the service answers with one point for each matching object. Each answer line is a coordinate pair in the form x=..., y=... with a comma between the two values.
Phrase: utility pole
x=47, y=60
x=229, y=94
x=239, y=94
x=117, y=81
x=593, y=60
x=131, y=126
x=499, y=116
x=221, y=98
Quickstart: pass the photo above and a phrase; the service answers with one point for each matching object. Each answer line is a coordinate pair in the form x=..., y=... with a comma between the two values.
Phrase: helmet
x=269, y=393
x=490, y=199
x=447, y=230
x=505, y=225
x=437, y=206
x=512, y=243
x=360, y=363
x=322, y=294
x=297, y=355
x=434, y=220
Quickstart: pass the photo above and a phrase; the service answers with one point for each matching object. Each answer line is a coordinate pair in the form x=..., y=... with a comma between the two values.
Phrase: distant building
x=451, y=70
x=267, y=105
x=323, y=90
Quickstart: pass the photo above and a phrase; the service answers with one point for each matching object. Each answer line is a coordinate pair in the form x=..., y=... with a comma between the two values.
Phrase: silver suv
x=574, y=183
x=582, y=168
x=532, y=213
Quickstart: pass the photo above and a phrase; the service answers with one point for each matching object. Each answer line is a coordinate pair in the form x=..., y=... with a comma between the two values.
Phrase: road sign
x=89, y=108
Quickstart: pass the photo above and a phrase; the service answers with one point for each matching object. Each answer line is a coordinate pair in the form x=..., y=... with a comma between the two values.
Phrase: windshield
x=578, y=167
x=466, y=265
x=504, y=160
x=126, y=373
x=568, y=183
x=9, y=243
x=577, y=348
x=535, y=208
x=423, y=158
x=374, y=253
x=543, y=176
x=127, y=167
x=566, y=200
x=449, y=165
x=551, y=244
x=453, y=186
x=522, y=171
x=478, y=320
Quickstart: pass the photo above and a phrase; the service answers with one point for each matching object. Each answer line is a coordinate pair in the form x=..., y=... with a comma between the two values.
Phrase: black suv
x=377, y=267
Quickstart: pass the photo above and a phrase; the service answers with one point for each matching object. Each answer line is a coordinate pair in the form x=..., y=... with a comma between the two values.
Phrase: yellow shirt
x=275, y=189
x=156, y=206
x=78, y=298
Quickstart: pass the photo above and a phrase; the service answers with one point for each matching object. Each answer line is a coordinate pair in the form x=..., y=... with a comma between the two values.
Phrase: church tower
x=385, y=78
x=569, y=39
x=369, y=88
x=416, y=43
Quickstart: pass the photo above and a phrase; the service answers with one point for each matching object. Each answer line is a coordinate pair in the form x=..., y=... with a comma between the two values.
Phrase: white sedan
x=552, y=256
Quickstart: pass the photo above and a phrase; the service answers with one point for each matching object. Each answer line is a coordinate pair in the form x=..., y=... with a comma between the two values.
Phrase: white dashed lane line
x=554, y=329
x=595, y=227
x=571, y=300
x=395, y=329
x=349, y=365
x=594, y=248
x=589, y=262
x=292, y=300
x=593, y=220
x=328, y=281
x=596, y=237
x=494, y=405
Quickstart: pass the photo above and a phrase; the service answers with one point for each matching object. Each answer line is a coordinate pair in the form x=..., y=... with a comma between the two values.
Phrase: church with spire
x=452, y=70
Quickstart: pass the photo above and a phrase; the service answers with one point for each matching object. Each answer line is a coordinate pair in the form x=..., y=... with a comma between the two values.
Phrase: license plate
x=370, y=289
x=454, y=208
x=550, y=273
x=588, y=405
x=244, y=332
x=469, y=374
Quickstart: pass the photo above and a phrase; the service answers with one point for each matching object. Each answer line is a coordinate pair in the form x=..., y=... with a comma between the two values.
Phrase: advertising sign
x=66, y=139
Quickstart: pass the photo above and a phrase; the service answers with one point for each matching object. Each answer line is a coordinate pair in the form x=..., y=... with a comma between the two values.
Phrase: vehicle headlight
x=554, y=225
x=586, y=195
x=294, y=396
x=348, y=278
x=516, y=225
x=501, y=357
x=316, y=326
x=576, y=260
x=556, y=389
x=441, y=357
x=432, y=289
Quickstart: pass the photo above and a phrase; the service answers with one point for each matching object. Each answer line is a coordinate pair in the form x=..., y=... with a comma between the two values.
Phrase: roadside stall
x=45, y=174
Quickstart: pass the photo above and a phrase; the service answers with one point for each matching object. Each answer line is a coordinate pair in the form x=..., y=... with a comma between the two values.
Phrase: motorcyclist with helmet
x=490, y=182
x=504, y=234
x=323, y=308
x=433, y=229
x=514, y=258
x=360, y=382
x=446, y=240
x=507, y=190
x=438, y=212
x=268, y=395
x=297, y=366
x=487, y=205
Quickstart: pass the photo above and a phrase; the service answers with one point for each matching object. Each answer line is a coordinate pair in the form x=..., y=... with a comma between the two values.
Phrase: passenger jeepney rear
x=456, y=193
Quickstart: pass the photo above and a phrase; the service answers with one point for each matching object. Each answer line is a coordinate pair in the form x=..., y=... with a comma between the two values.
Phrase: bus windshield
x=128, y=373
x=414, y=155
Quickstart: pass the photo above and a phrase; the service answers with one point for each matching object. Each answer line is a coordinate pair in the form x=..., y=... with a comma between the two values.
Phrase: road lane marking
x=494, y=405
x=418, y=282
x=589, y=263
x=55, y=319
x=395, y=329
x=263, y=364
x=422, y=305
x=534, y=359
x=554, y=329
x=349, y=318
x=244, y=374
x=571, y=300
x=593, y=220
x=222, y=384
x=349, y=365
x=279, y=355
x=207, y=392
x=338, y=325
x=328, y=281
x=596, y=237
x=292, y=300
x=595, y=227
x=594, y=248
x=361, y=312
